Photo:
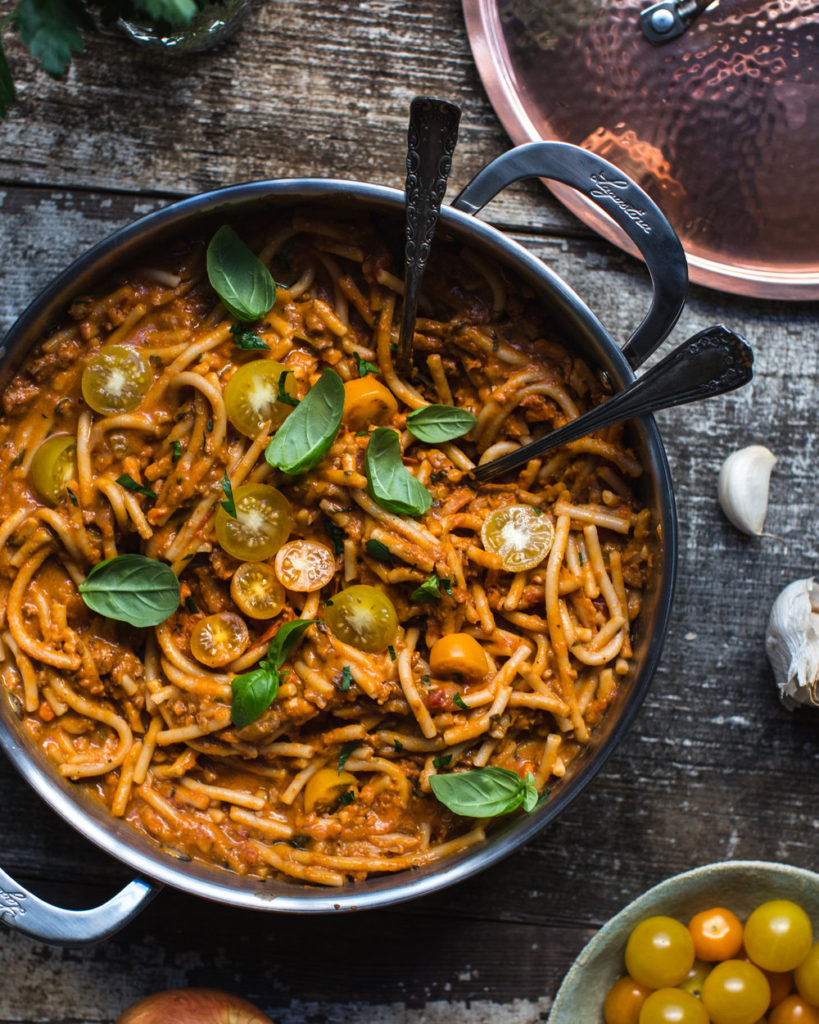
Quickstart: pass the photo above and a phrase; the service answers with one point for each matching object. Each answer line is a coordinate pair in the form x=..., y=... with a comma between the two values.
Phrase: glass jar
x=208, y=27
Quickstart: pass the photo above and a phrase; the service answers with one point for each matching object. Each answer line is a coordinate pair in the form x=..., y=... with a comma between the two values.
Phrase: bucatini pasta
x=487, y=627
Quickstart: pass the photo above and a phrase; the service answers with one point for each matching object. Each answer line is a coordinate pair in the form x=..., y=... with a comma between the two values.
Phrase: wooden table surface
x=714, y=767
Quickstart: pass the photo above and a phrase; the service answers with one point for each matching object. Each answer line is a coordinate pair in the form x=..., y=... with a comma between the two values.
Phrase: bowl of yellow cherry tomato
x=729, y=943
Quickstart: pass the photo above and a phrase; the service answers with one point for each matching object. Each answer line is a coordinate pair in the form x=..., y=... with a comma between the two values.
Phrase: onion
x=193, y=1006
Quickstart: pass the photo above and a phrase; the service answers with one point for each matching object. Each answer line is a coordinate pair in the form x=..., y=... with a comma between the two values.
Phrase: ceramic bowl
x=740, y=885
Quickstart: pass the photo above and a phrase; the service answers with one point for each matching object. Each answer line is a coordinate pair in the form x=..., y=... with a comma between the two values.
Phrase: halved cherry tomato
x=458, y=654
x=736, y=992
x=659, y=952
x=794, y=1010
x=305, y=565
x=263, y=523
x=806, y=976
x=367, y=402
x=624, y=1001
x=717, y=934
x=364, y=617
x=251, y=396
x=693, y=981
x=256, y=590
x=53, y=465
x=778, y=935
x=116, y=379
x=672, y=1006
x=325, y=787
x=520, y=534
x=218, y=639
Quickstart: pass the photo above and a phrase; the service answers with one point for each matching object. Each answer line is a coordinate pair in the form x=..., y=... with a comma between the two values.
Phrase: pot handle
x=24, y=912
x=619, y=197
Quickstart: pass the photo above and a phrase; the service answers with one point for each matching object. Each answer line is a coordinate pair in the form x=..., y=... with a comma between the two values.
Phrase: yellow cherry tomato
x=717, y=934
x=806, y=976
x=520, y=534
x=53, y=465
x=323, y=789
x=736, y=992
x=778, y=935
x=305, y=565
x=116, y=379
x=363, y=617
x=692, y=982
x=256, y=591
x=367, y=402
x=218, y=639
x=624, y=1001
x=672, y=1006
x=263, y=523
x=659, y=952
x=251, y=396
x=458, y=654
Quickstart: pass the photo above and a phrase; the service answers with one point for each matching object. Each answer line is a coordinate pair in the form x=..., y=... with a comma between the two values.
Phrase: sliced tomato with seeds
x=305, y=565
x=256, y=590
x=116, y=380
x=218, y=639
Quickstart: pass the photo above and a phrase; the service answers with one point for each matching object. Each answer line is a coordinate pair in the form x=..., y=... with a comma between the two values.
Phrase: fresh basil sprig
x=389, y=481
x=246, y=338
x=304, y=438
x=239, y=277
x=254, y=692
x=435, y=424
x=485, y=792
x=133, y=589
x=128, y=482
x=430, y=589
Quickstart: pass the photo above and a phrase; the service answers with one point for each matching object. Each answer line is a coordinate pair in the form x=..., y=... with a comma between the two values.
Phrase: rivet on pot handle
x=619, y=197
x=24, y=912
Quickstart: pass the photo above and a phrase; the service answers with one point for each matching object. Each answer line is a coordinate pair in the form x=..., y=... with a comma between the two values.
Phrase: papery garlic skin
x=743, y=487
x=792, y=643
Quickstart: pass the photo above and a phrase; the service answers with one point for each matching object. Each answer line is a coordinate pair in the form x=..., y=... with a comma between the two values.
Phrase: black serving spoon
x=710, y=363
x=433, y=132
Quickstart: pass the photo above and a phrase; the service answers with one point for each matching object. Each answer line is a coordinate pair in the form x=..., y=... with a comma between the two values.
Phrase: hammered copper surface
x=720, y=126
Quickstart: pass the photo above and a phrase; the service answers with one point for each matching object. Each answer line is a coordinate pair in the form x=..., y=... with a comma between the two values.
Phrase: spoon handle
x=433, y=132
x=710, y=363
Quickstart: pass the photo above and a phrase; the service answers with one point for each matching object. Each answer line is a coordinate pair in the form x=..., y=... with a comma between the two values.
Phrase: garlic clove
x=792, y=643
x=743, y=487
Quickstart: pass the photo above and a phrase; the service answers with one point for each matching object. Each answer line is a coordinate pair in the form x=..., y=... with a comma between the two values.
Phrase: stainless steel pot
x=626, y=204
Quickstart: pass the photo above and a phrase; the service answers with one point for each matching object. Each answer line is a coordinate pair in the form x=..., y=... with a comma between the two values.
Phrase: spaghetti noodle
x=331, y=783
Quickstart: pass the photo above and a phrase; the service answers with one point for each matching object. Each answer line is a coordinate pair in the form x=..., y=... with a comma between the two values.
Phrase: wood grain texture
x=713, y=767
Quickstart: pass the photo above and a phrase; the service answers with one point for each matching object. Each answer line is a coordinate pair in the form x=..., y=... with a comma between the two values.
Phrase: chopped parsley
x=459, y=701
x=346, y=678
x=246, y=338
x=391, y=652
x=190, y=604
x=177, y=451
x=376, y=549
x=364, y=367
x=130, y=484
x=346, y=750
x=346, y=798
x=336, y=534
x=430, y=589
x=230, y=505
x=443, y=761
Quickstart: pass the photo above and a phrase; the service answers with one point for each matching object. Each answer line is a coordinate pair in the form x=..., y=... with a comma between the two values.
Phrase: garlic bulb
x=743, y=487
x=792, y=643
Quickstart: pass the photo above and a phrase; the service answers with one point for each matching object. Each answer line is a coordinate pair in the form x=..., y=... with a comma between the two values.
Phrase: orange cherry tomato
x=458, y=654
x=794, y=1010
x=781, y=983
x=717, y=934
x=217, y=639
x=367, y=402
x=305, y=565
x=624, y=1001
x=806, y=976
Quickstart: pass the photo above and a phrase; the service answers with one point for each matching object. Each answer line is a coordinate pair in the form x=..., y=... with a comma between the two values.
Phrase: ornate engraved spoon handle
x=433, y=132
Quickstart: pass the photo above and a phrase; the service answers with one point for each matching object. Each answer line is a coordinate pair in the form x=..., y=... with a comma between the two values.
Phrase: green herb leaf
x=346, y=750
x=286, y=640
x=364, y=367
x=389, y=481
x=391, y=652
x=177, y=451
x=346, y=678
x=284, y=396
x=430, y=589
x=442, y=762
x=49, y=29
x=72, y=497
x=230, y=505
x=246, y=338
x=346, y=798
x=304, y=438
x=175, y=12
x=8, y=93
x=336, y=534
x=190, y=604
x=132, y=589
x=130, y=484
x=399, y=746
x=378, y=550
x=299, y=842
x=239, y=277
x=459, y=702
x=437, y=423
x=253, y=693
x=484, y=792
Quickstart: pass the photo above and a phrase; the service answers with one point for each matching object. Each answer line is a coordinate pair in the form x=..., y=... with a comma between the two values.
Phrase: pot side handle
x=622, y=200
x=24, y=912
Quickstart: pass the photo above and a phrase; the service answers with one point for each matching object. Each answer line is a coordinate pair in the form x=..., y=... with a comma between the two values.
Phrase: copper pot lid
x=720, y=125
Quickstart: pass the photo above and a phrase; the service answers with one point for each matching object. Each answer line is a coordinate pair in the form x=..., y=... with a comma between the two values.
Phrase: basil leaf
x=484, y=792
x=389, y=481
x=49, y=28
x=246, y=338
x=346, y=750
x=378, y=550
x=286, y=640
x=7, y=92
x=253, y=693
x=364, y=367
x=346, y=678
x=239, y=277
x=442, y=761
x=132, y=589
x=459, y=702
x=230, y=505
x=430, y=589
x=304, y=438
x=130, y=484
x=284, y=396
x=177, y=451
x=436, y=423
